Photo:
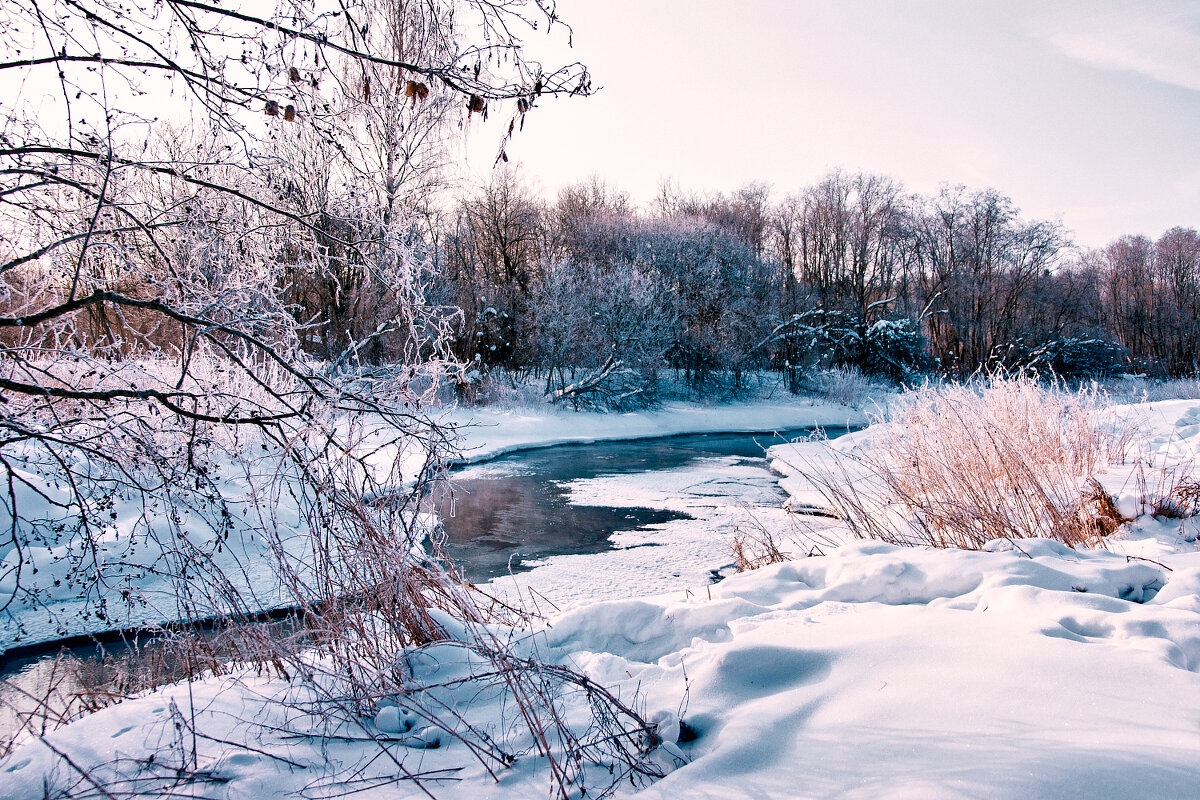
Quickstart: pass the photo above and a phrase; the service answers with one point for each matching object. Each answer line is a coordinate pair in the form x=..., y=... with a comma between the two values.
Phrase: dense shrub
x=1070, y=358
x=893, y=349
x=960, y=465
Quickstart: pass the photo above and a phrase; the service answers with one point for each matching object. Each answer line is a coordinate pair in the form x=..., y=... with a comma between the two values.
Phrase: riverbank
x=721, y=497
x=871, y=671
x=483, y=433
x=717, y=498
x=487, y=433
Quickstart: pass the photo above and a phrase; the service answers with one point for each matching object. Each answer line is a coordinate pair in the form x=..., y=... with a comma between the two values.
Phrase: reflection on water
x=492, y=526
x=53, y=685
x=43, y=691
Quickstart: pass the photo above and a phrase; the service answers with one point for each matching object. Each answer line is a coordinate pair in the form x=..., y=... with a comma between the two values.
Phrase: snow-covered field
x=871, y=671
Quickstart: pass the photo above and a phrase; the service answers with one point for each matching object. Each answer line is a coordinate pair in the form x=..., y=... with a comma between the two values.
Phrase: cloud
x=1160, y=41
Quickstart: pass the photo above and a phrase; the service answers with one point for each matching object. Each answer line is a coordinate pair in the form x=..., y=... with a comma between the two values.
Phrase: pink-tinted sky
x=1084, y=110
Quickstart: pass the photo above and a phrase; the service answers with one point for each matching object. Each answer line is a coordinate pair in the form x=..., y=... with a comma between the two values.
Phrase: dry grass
x=1145, y=390
x=1181, y=502
x=1170, y=492
x=962, y=465
x=1099, y=506
x=754, y=546
x=846, y=386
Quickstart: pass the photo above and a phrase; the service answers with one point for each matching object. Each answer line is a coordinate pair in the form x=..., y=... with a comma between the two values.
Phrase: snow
x=875, y=671
x=886, y=674
x=721, y=495
x=130, y=560
x=488, y=433
x=135, y=576
x=872, y=671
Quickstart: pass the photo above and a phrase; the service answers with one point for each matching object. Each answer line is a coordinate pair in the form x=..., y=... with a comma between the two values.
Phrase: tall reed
x=959, y=465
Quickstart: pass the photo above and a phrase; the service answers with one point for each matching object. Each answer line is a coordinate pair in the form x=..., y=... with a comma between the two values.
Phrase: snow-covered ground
x=871, y=671
x=132, y=561
x=488, y=433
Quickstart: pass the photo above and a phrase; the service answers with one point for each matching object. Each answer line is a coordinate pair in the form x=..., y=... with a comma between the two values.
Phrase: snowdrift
x=1022, y=669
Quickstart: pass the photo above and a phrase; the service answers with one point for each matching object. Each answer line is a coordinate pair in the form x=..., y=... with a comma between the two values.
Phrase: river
x=542, y=509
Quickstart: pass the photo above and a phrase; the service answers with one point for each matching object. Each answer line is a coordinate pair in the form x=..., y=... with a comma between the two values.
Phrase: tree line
x=851, y=270
x=301, y=207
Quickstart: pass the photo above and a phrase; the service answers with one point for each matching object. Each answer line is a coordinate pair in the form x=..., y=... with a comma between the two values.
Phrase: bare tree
x=977, y=265
x=190, y=195
x=1177, y=254
x=173, y=173
x=492, y=258
x=580, y=203
x=842, y=241
x=614, y=322
x=744, y=214
x=1149, y=298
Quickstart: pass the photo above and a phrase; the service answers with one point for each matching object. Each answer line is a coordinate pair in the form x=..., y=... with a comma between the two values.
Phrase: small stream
x=496, y=516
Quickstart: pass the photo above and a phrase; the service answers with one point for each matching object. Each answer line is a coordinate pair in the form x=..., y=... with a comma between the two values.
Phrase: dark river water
x=520, y=511
x=496, y=518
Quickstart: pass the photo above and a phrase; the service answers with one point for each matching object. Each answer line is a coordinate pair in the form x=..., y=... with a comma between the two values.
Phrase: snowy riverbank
x=131, y=562
x=488, y=433
x=872, y=671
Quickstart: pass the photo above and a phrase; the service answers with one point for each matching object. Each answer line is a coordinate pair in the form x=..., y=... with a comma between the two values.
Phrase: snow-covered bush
x=602, y=332
x=1069, y=358
x=893, y=349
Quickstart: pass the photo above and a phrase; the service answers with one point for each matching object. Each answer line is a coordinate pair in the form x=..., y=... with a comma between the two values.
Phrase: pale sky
x=1083, y=110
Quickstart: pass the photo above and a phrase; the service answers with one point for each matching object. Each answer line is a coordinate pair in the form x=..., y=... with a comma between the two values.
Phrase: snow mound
x=875, y=671
x=1024, y=669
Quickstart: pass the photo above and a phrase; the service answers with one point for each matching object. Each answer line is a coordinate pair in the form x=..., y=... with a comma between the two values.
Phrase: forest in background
x=850, y=271
x=308, y=203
